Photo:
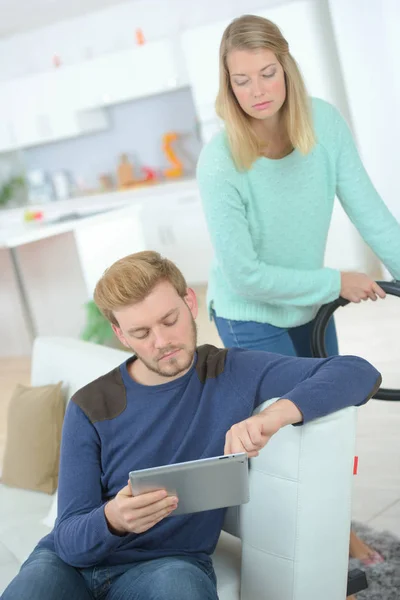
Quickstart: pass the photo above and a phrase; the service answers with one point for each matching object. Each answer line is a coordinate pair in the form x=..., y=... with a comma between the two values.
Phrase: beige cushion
x=34, y=424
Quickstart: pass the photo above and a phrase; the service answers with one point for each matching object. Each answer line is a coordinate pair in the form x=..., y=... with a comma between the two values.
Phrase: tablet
x=204, y=484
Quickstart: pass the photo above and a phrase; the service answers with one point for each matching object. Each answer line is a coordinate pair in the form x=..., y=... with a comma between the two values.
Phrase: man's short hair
x=132, y=278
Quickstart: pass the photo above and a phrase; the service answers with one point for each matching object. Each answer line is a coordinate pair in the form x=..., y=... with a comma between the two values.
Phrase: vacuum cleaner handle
x=318, y=348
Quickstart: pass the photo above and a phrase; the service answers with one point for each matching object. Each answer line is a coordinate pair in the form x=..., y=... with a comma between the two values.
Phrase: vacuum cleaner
x=357, y=580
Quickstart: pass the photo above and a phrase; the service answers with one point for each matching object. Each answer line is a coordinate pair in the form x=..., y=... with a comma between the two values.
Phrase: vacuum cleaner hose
x=318, y=348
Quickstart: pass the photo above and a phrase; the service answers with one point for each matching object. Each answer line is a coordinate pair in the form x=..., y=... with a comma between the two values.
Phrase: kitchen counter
x=67, y=215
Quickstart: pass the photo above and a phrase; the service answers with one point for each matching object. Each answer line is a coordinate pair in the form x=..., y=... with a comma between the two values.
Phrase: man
x=169, y=403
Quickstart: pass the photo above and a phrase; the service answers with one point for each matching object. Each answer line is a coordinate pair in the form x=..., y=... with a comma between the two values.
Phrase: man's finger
x=255, y=433
x=150, y=509
x=252, y=454
x=126, y=491
x=227, y=447
x=379, y=291
x=237, y=445
x=155, y=516
x=241, y=433
x=149, y=498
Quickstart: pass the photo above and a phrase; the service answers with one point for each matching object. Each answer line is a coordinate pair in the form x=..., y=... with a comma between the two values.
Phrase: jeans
x=44, y=576
x=295, y=341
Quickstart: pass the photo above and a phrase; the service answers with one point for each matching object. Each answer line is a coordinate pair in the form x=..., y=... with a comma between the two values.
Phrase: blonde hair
x=132, y=278
x=253, y=33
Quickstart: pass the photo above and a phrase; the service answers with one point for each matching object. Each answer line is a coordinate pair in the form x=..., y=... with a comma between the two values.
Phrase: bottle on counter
x=106, y=182
x=40, y=187
x=62, y=184
x=125, y=173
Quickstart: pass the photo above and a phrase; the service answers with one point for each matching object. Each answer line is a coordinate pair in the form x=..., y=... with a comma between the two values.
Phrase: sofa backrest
x=74, y=362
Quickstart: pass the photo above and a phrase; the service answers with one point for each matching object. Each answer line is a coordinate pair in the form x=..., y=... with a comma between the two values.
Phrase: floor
x=371, y=330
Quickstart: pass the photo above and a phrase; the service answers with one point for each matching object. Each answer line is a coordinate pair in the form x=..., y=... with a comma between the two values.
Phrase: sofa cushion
x=227, y=563
x=22, y=506
x=34, y=424
x=20, y=528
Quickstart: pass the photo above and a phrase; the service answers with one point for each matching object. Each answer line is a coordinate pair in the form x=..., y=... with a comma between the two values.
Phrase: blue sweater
x=269, y=225
x=115, y=425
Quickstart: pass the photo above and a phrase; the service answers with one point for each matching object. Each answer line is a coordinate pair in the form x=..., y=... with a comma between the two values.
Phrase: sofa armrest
x=295, y=529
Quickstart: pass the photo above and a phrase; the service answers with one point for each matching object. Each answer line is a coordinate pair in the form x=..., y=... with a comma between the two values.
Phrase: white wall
x=391, y=21
x=367, y=35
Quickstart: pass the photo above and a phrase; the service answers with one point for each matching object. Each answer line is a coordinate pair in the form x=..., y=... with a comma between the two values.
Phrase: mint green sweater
x=269, y=225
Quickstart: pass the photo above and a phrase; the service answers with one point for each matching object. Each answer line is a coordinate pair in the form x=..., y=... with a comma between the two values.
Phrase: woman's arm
x=361, y=201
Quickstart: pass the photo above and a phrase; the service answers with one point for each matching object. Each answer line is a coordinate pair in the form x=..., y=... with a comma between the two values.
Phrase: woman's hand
x=358, y=286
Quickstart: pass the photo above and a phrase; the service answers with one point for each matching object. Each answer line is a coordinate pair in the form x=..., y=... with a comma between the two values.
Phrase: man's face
x=161, y=331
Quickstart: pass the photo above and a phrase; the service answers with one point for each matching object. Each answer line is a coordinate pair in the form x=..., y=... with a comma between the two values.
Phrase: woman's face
x=258, y=82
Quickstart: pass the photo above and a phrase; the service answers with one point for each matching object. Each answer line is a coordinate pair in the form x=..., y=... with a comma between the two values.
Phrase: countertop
x=68, y=215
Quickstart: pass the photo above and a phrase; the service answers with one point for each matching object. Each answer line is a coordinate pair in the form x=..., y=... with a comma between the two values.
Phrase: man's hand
x=135, y=514
x=255, y=432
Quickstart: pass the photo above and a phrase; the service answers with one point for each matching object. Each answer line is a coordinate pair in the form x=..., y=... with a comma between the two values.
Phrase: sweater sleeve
x=230, y=235
x=317, y=387
x=361, y=201
x=81, y=534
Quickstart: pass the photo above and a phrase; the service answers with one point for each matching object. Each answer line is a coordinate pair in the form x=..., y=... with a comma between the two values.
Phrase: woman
x=268, y=184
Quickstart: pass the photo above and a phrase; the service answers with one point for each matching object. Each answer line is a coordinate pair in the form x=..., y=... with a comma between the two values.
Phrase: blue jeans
x=44, y=576
x=295, y=341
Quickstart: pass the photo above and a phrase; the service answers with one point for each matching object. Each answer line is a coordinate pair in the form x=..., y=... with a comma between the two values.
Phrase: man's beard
x=174, y=365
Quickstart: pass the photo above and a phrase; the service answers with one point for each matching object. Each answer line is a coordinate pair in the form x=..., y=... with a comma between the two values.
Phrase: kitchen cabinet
x=153, y=68
x=40, y=111
x=176, y=228
x=50, y=106
x=7, y=139
x=44, y=109
x=144, y=71
x=27, y=112
x=201, y=50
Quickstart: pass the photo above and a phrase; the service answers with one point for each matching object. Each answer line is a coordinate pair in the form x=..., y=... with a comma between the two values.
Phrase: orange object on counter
x=125, y=174
x=177, y=169
x=139, y=37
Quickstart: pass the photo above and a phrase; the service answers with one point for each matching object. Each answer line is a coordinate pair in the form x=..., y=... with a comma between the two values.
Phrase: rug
x=383, y=579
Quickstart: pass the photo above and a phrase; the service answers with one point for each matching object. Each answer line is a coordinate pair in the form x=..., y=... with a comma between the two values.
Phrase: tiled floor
x=369, y=330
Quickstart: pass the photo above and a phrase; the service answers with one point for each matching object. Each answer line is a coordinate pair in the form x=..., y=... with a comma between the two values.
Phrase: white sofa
x=294, y=531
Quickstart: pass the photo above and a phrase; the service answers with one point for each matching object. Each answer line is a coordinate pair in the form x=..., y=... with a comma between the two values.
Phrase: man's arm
x=81, y=535
x=308, y=389
x=317, y=386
